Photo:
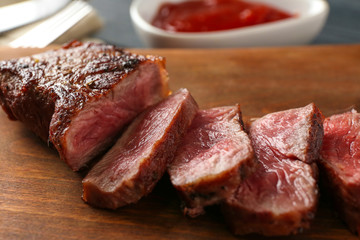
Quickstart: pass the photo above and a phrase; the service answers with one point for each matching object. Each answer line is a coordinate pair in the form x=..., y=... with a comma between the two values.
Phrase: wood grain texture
x=40, y=197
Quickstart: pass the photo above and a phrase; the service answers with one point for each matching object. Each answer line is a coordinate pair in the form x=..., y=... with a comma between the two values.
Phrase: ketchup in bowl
x=214, y=15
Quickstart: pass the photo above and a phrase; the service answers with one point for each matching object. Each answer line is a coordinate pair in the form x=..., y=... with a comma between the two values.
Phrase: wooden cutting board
x=40, y=197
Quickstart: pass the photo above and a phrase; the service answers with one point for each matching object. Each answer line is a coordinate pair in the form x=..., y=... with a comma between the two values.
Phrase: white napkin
x=87, y=25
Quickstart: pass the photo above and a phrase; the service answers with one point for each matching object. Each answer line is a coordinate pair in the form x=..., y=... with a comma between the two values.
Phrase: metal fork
x=53, y=27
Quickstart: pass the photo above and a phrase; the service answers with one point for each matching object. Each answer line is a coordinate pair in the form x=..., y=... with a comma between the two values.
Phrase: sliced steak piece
x=79, y=97
x=340, y=162
x=213, y=158
x=280, y=198
x=140, y=157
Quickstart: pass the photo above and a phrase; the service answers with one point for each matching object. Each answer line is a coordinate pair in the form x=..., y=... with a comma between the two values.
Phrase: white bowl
x=311, y=16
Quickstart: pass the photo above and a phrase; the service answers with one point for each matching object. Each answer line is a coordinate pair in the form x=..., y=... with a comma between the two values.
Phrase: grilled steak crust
x=140, y=157
x=214, y=157
x=281, y=197
x=340, y=162
x=80, y=96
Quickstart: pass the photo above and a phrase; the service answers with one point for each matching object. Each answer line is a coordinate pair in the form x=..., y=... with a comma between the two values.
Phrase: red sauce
x=214, y=15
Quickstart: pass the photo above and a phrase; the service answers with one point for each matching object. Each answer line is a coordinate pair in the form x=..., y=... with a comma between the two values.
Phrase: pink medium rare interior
x=341, y=145
x=102, y=120
x=288, y=133
x=281, y=188
x=137, y=145
x=214, y=145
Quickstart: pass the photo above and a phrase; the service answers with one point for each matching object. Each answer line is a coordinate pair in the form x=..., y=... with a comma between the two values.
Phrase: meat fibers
x=340, y=162
x=281, y=197
x=132, y=167
x=214, y=157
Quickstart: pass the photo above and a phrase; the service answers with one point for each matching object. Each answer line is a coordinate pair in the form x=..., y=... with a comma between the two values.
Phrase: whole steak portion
x=79, y=97
x=340, y=162
x=213, y=159
x=140, y=157
x=280, y=198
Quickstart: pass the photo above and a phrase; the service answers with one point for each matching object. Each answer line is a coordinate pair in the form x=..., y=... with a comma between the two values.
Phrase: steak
x=140, y=157
x=79, y=97
x=213, y=158
x=340, y=162
x=281, y=197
